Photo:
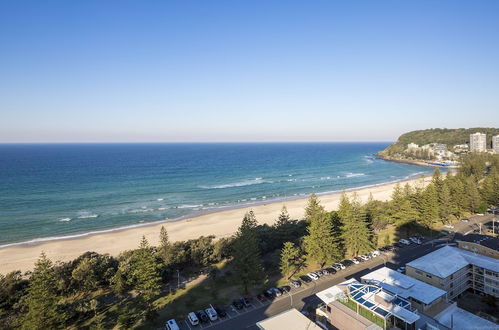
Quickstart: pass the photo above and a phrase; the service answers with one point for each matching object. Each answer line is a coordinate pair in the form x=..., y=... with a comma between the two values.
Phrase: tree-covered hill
x=451, y=137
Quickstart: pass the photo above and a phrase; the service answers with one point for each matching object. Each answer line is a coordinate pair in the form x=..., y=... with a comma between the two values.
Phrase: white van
x=193, y=319
x=211, y=313
x=172, y=325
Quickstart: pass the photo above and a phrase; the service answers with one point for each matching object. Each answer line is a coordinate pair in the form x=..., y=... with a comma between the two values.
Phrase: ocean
x=49, y=191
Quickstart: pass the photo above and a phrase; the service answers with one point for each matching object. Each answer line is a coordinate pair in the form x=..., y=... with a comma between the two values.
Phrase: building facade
x=478, y=142
x=495, y=144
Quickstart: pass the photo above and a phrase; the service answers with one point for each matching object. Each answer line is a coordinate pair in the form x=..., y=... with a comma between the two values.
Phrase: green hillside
x=451, y=137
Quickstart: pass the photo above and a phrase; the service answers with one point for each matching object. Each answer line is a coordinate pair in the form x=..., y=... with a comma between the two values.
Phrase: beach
x=220, y=224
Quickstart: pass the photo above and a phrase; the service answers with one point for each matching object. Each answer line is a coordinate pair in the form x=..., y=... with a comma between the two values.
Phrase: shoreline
x=220, y=223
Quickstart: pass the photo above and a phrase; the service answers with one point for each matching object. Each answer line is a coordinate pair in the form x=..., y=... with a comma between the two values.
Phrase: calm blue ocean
x=51, y=190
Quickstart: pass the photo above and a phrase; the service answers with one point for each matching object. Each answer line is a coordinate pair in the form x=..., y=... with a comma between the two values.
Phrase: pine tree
x=429, y=206
x=165, y=245
x=284, y=226
x=283, y=219
x=246, y=253
x=458, y=195
x=320, y=243
x=446, y=207
x=290, y=258
x=356, y=234
x=437, y=180
x=313, y=208
x=473, y=200
x=145, y=272
x=41, y=300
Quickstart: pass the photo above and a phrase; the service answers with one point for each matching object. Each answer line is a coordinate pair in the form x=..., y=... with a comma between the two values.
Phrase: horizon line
x=190, y=142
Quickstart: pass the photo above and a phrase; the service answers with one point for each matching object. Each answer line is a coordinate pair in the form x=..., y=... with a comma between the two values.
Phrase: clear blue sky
x=75, y=71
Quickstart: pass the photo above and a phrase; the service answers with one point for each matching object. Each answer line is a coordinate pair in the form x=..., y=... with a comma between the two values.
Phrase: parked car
x=285, y=288
x=401, y=269
x=480, y=214
x=313, y=276
x=404, y=241
x=359, y=259
x=261, y=298
x=268, y=294
x=220, y=311
x=201, y=314
x=355, y=261
x=212, y=314
x=364, y=257
x=193, y=319
x=296, y=284
x=306, y=278
x=375, y=253
x=172, y=325
x=331, y=270
x=465, y=220
x=246, y=302
x=449, y=226
x=277, y=292
x=238, y=304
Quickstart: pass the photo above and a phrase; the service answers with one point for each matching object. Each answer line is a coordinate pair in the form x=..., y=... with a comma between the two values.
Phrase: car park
x=359, y=259
x=415, y=239
x=364, y=257
x=238, y=304
x=313, y=276
x=449, y=226
x=172, y=325
x=404, y=241
x=220, y=311
x=261, y=298
x=296, y=284
x=375, y=253
x=212, y=314
x=465, y=220
x=201, y=314
x=355, y=261
x=193, y=319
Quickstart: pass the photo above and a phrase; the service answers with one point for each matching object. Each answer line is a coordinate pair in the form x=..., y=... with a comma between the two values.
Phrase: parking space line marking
x=186, y=323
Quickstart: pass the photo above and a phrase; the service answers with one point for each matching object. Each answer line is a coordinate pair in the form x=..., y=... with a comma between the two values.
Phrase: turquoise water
x=54, y=190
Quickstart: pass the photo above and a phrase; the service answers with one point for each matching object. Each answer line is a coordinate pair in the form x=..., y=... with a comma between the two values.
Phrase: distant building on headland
x=495, y=144
x=412, y=146
x=478, y=142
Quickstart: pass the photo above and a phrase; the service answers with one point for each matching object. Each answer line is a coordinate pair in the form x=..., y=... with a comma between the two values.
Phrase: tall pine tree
x=145, y=272
x=246, y=253
x=290, y=259
x=356, y=234
x=313, y=208
x=42, y=299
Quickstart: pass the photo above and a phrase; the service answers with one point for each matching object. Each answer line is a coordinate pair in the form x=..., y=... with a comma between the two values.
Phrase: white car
x=313, y=276
x=211, y=313
x=375, y=253
x=193, y=319
x=354, y=261
x=338, y=266
x=172, y=325
x=364, y=257
x=480, y=214
x=405, y=242
x=449, y=226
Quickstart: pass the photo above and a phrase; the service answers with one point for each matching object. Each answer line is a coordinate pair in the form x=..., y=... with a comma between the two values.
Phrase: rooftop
x=487, y=241
x=289, y=320
x=403, y=285
x=448, y=260
x=333, y=293
x=459, y=319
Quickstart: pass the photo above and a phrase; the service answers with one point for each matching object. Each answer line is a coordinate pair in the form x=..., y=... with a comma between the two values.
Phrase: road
x=306, y=294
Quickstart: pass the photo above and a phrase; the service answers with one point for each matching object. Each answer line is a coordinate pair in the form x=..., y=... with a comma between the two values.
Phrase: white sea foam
x=353, y=175
x=65, y=219
x=160, y=199
x=88, y=216
x=237, y=184
x=161, y=208
x=188, y=206
x=325, y=178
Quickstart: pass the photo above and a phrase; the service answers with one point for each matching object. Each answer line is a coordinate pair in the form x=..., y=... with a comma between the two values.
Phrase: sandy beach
x=220, y=224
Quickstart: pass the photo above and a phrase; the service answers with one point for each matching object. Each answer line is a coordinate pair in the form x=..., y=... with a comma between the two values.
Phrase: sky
x=237, y=71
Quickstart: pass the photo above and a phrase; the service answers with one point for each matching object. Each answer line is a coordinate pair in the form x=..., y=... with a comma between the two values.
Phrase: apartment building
x=456, y=270
x=478, y=142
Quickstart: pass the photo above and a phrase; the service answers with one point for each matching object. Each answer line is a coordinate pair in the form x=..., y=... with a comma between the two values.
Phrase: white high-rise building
x=495, y=144
x=478, y=142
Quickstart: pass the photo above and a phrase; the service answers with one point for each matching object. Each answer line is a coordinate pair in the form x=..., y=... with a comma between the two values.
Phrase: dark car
x=305, y=279
x=238, y=304
x=221, y=312
x=246, y=302
x=331, y=270
x=269, y=294
x=296, y=284
x=261, y=298
x=285, y=288
x=359, y=259
x=202, y=316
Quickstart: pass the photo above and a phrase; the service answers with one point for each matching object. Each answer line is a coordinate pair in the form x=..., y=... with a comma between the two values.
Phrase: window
x=328, y=308
x=428, y=275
